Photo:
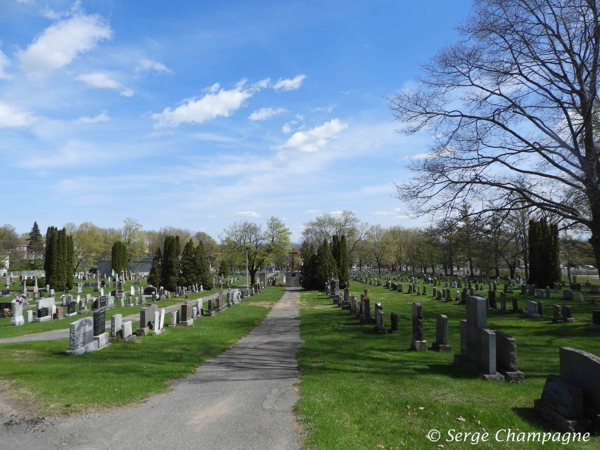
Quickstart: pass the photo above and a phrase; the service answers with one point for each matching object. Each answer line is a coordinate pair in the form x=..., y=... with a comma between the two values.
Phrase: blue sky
x=200, y=114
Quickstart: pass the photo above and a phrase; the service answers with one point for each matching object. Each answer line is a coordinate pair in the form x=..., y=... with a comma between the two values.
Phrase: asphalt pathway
x=242, y=399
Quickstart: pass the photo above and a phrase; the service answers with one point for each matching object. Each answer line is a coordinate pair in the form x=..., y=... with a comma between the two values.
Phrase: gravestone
x=595, y=325
x=81, y=337
x=418, y=342
x=116, y=324
x=532, y=310
x=478, y=344
x=567, y=295
x=366, y=318
x=557, y=316
x=441, y=334
x=17, y=313
x=571, y=402
x=394, y=321
x=186, y=315
x=539, y=293
x=29, y=316
x=567, y=314
x=506, y=357
x=99, y=324
x=379, y=319
x=126, y=331
x=147, y=316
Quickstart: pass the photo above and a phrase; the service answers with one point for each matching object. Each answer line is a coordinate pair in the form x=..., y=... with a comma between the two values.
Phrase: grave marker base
x=102, y=340
x=441, y=348
x=594, y=327
x=558, y=421
x=43, y=319
x=142, y=331
x=186, y=323
x=379, y=331
x=513, y=377
x=418, y=346
x=462, y=363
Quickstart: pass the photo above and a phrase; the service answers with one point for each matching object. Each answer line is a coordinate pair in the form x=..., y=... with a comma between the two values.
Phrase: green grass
x=125, y=372
x=361, y=390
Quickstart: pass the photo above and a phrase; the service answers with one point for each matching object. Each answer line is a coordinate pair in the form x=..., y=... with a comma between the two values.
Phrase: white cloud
x=300, y=117
x=102, y=117
x=326, y=109
x=312, y=211
x=350, y=91
x=104, y=80
x=384, y=213
x=266, y=113
x=25, y=2
x=211, y=216
x=263, y=84
x=289, y=84
x=286, y=128
x=214, y=138
x=315, y=138
x=15, y=117
x=147, y=64
x=4, y=62
x=199, y=110
x=73, y=153
x=248, y=214
x=62, y=42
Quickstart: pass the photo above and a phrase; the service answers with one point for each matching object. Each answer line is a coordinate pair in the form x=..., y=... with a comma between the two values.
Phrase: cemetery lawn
x=125, y=372
x=361, y=390
x=9, y=331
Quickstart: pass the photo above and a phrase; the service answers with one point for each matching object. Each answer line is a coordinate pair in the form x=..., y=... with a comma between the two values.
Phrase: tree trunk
x=252, y=276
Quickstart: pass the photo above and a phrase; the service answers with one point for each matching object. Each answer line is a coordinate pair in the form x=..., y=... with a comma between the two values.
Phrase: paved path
x=64, y=332
x=240, y=400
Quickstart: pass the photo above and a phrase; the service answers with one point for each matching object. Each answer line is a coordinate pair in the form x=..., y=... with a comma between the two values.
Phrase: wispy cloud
x=325, y=109
x=150, y=64
x=248, y=214
x=289, y=84
x=312, y=211
x=15, y=117
x=104, y=80
x=315, y=138
x=4, y=63
x=266, y=113
x=62, y=42
x=102, y=117
x=198, y=110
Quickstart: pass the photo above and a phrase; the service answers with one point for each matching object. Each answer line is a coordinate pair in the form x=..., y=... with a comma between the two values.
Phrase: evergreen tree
x=119, y=257
x=168, y=250
x=343, y=274
x=544, y=265
x=70, y=265
x=36, y=245
x=223, y=268
x=335, y=252
x=308, y=269
x=188, y=265
x=61, y=257
x=325, y=265
x=48, y=253
x=154, y=276
x=203, y=267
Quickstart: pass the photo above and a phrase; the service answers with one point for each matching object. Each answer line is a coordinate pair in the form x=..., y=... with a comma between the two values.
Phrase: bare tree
x=514, y=107
x=328, y=225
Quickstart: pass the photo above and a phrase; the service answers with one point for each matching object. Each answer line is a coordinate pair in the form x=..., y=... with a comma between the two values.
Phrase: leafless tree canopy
x=514, y=107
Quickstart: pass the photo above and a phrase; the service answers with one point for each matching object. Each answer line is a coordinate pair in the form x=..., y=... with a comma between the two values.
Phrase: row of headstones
x=570, y=402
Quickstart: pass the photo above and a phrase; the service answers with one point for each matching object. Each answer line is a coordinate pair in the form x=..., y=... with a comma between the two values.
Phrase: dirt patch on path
x=17, y=403
x=261, y=304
